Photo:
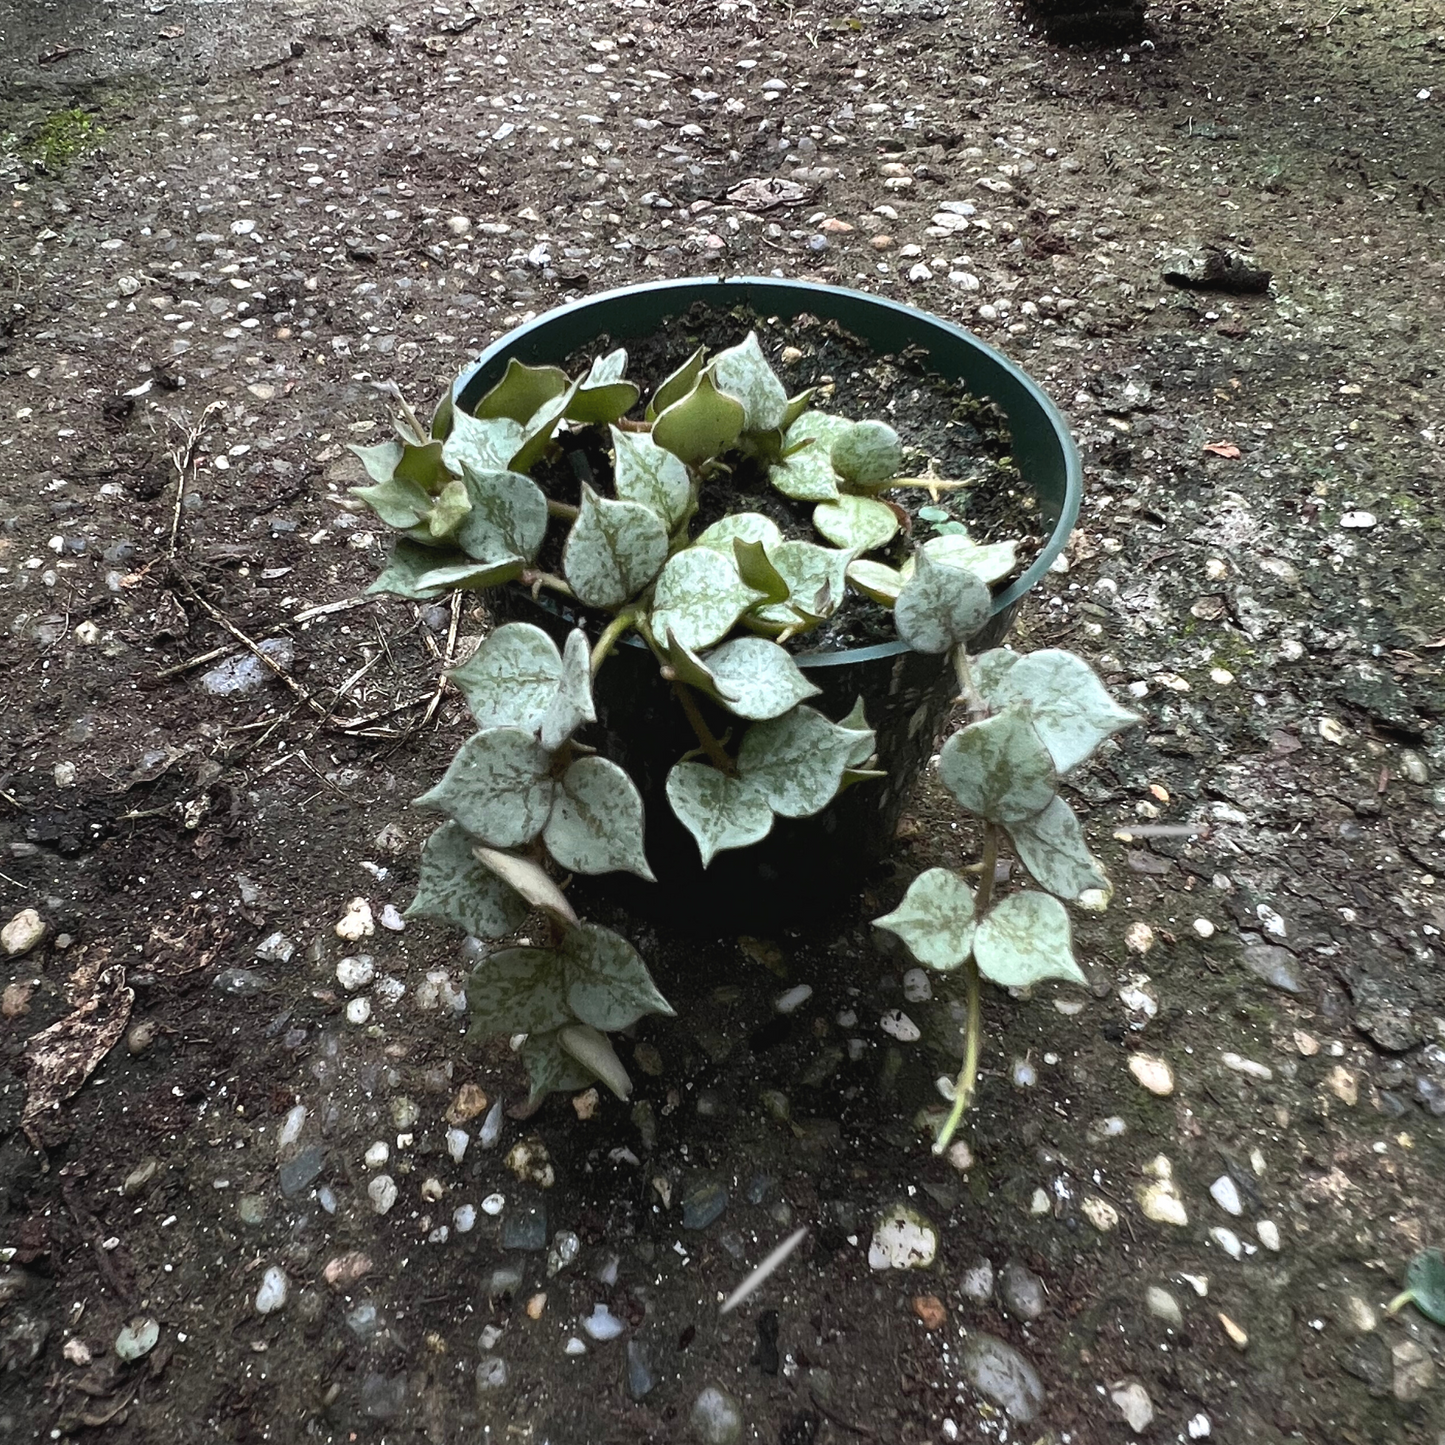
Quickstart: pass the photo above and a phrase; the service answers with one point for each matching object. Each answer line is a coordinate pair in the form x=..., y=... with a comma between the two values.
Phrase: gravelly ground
x=1256, y=566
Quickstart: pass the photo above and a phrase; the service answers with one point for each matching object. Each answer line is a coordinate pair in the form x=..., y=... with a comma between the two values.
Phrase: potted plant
x=671, y=574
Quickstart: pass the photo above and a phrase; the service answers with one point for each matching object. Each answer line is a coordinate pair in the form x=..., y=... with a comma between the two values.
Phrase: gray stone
x=703, y=1202
x=383, y=1397
x=245, y=673
x=137, y=1339
x=301, y=1172
x=1022, y=1291
x=525, y=1227
x=491, y=1372
x=716, y=1419
x=641, y=1377
x=1431, y=1093
x=506, y=1279
x=275, y=948
x=1275, y=965
x=977, y=1281
x=1002, y=1375
x=240, y=982
x=364, y=1321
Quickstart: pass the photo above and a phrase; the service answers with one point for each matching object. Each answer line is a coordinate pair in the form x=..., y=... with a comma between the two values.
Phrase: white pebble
x=1100, y=1213
x=494, y=1204
x=391, y=920
x=1134, y=1404
x=1198, y=1426
x=602, y=1324
x=1139, y=938
x=1204, y=928
x=1228, y=1241
x=1225, y=1194
x=291, y=1125
x=898, y=1025
x=1358, y=520
x=355, y=972
x=382, y=1192
x=1152, y=1073
x=358, y=1010
x=356, y=922
x=457, y=1141
x=1025, y=1076
x=1241, y=1065
x=491, y=1127
x=1163, y=1306
x=916, y=986
x=1039, y=1204
x=1161, y=1204
x=378, y=1154
x=574, y=1346
x=464, y=1218
x=1268, y=1232
x=272, y=1294
x=794, y=999
x=904, y=1239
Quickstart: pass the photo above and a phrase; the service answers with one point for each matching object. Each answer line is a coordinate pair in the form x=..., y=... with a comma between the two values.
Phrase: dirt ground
x=224, y=225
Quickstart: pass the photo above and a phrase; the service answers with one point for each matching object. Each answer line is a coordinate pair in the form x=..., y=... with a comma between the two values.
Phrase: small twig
x=199, y=660
x=183, y=459
x=12, y=800
x=309, y=614
x=349, y=724
x=448, y=660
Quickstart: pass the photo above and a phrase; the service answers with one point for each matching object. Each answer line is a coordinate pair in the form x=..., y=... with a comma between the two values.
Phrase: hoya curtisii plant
x=525, y=799
x=1031, y=719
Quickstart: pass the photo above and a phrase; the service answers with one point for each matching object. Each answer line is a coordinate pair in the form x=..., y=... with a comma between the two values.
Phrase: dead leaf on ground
x=756, y=194
x=184, y=944
x=61, y=1058
x=1224, y=449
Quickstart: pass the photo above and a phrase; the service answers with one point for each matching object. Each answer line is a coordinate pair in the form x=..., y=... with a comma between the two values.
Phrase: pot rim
x=705, y=288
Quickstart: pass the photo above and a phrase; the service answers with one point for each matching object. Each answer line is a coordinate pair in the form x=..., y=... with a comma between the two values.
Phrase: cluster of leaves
x=716, y=610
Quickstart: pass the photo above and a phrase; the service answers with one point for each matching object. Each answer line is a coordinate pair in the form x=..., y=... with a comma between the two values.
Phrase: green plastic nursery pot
x=807, y=869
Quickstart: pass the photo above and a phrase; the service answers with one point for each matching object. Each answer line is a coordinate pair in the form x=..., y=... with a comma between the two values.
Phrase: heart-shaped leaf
x=689, y=668
x=990, y=667
x=796, y=761
x=511, y=679
x=743, y=371
x=602, y=395
x=457, y=889
x=522, y=392
x=940, y=607
x=468, y=576
x=537, y=431
x=594, y=1052
x=935, y=919
x=531, y=881
x=498, y=788
x=608, y=985
x=380, y=462
x=859, y=524
x=1051, y=846
x=571, y=705
x=1068, y=705
x=677, y=385
x=999, y=768
x=989, y=561
x=650, y=475
x=703, y=425
x=759, y=679
x=756, y=568
x=699, y=597
x=596, y=822
x=868, y=454
x=508, y=516
x=551, y=1069
x=411, y=570
x=519, y=991
x=448, y=511
x=876, y=580
x=806, y=473
x=400, y=504
x=739, y=527
x=480, y=445
x=1024, y=939
x=613, y=551
x=817, y=581
x=863, y=736
x=719, y=811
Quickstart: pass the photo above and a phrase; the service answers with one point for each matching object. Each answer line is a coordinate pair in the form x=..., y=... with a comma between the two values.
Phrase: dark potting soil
x=957, y=434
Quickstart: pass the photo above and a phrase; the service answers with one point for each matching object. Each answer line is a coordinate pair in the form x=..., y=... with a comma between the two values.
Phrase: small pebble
x=391, y=920
x=1139, y=938
x=1204, y=928
x=1228, y=1241
x=493, y=1204
x=903, y=1239
x=1152, y=1073
x=137, y=1339
x=1225, y=1194
x=382, y=1192
x=1358, y=520
x=1161, y=1204
x=536, y=1305
x=491, y=1373
x=716, y=1418
x=977, y=1281
x=345, y=1269
x=1248, y=1067
x=22, y=933
x=1022, y=1291
x=355, y=972
x=794, y=999
x=602, y=1324
x=464, y=1218
x=358, y=1011
x=457, y=1141
x=377, y=1154
x=574, y=1347
x=1099, y=1212
x=272, y=1294
x=1163, y=1306
x=917, y=988
x=1268, y=1232
x=1002, y=1375
x=356, y=921
x=1198, y=1426
x=930, y=1310
x=898, y=1025
x=1134, y=1404
x=1237, y=1337
x=1025, y=1076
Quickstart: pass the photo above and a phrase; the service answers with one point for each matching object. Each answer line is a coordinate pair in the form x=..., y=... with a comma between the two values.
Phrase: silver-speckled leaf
x=796, y=761
x=868, y=454
x=859, y=524
x=521, y=391
x=571, y=704
x=1024, y=939
x=1051, y=846
x=940, y=607
x=760, y=678
x=699, y=597
x=998, y=768
x=596, y=822
x=608, y=985
x=508, y=516
x=720, y=812
x=498, y=787
x=743, y=371
x=646, y=473
x=510, y=680
x=703, y=425
x=613, y=551
x=519, y=991
x=935, y=919
x=457, y=889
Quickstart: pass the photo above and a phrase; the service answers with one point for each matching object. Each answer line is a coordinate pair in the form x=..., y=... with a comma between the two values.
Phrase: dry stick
x=447, y=662
x=183, y=459
x=176, y=669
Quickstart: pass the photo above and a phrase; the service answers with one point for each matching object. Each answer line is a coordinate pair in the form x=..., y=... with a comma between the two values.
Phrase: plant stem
x=715, y=751
x=610, y=635
x=934, y=484
x=545, y=579
x=973, y=1029
x=968, y=693
x=623, y=424
x=561, y=509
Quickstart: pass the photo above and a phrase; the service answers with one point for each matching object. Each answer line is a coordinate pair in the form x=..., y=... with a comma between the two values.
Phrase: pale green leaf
x=650, y=475
x=720, y=812
x=449, y=510
x=817, y=582
x=602, y=395
x=498, y=788
x=876, y=580
x=760, y=679
x=613, y=551
x=1424, y=1286
x=441, y=417
x=531, y=881
x=510, y=680
x=550, y=1068
x=797, y=405
x=859, y=524
x=739, y=527
x=806, y=475
x=702, y=425
x=935, y=919
x=796, y=761
x=468, y=576
x=594, y=1052
x=537, y=431
x=408, y=564
x=380, y=462
x=990, y=667
x=998, y=768
x=481, y=446
x=863, y=736
x=940, y=607
x=677, y=385
x=689, y=668
x=398, y=503
x=508, y=516
x=1024, y=939
x=571, y=705
x=522, y=392
x=743, y=371
x=1069, y=705
x=608, y=985
x=755, y=567
x=596, y=822
x=456, y=888
x=868, y=454
x=988, y=561
x=424, y=463
x=1051, y=846
x=519, y=991
x=699, y=597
